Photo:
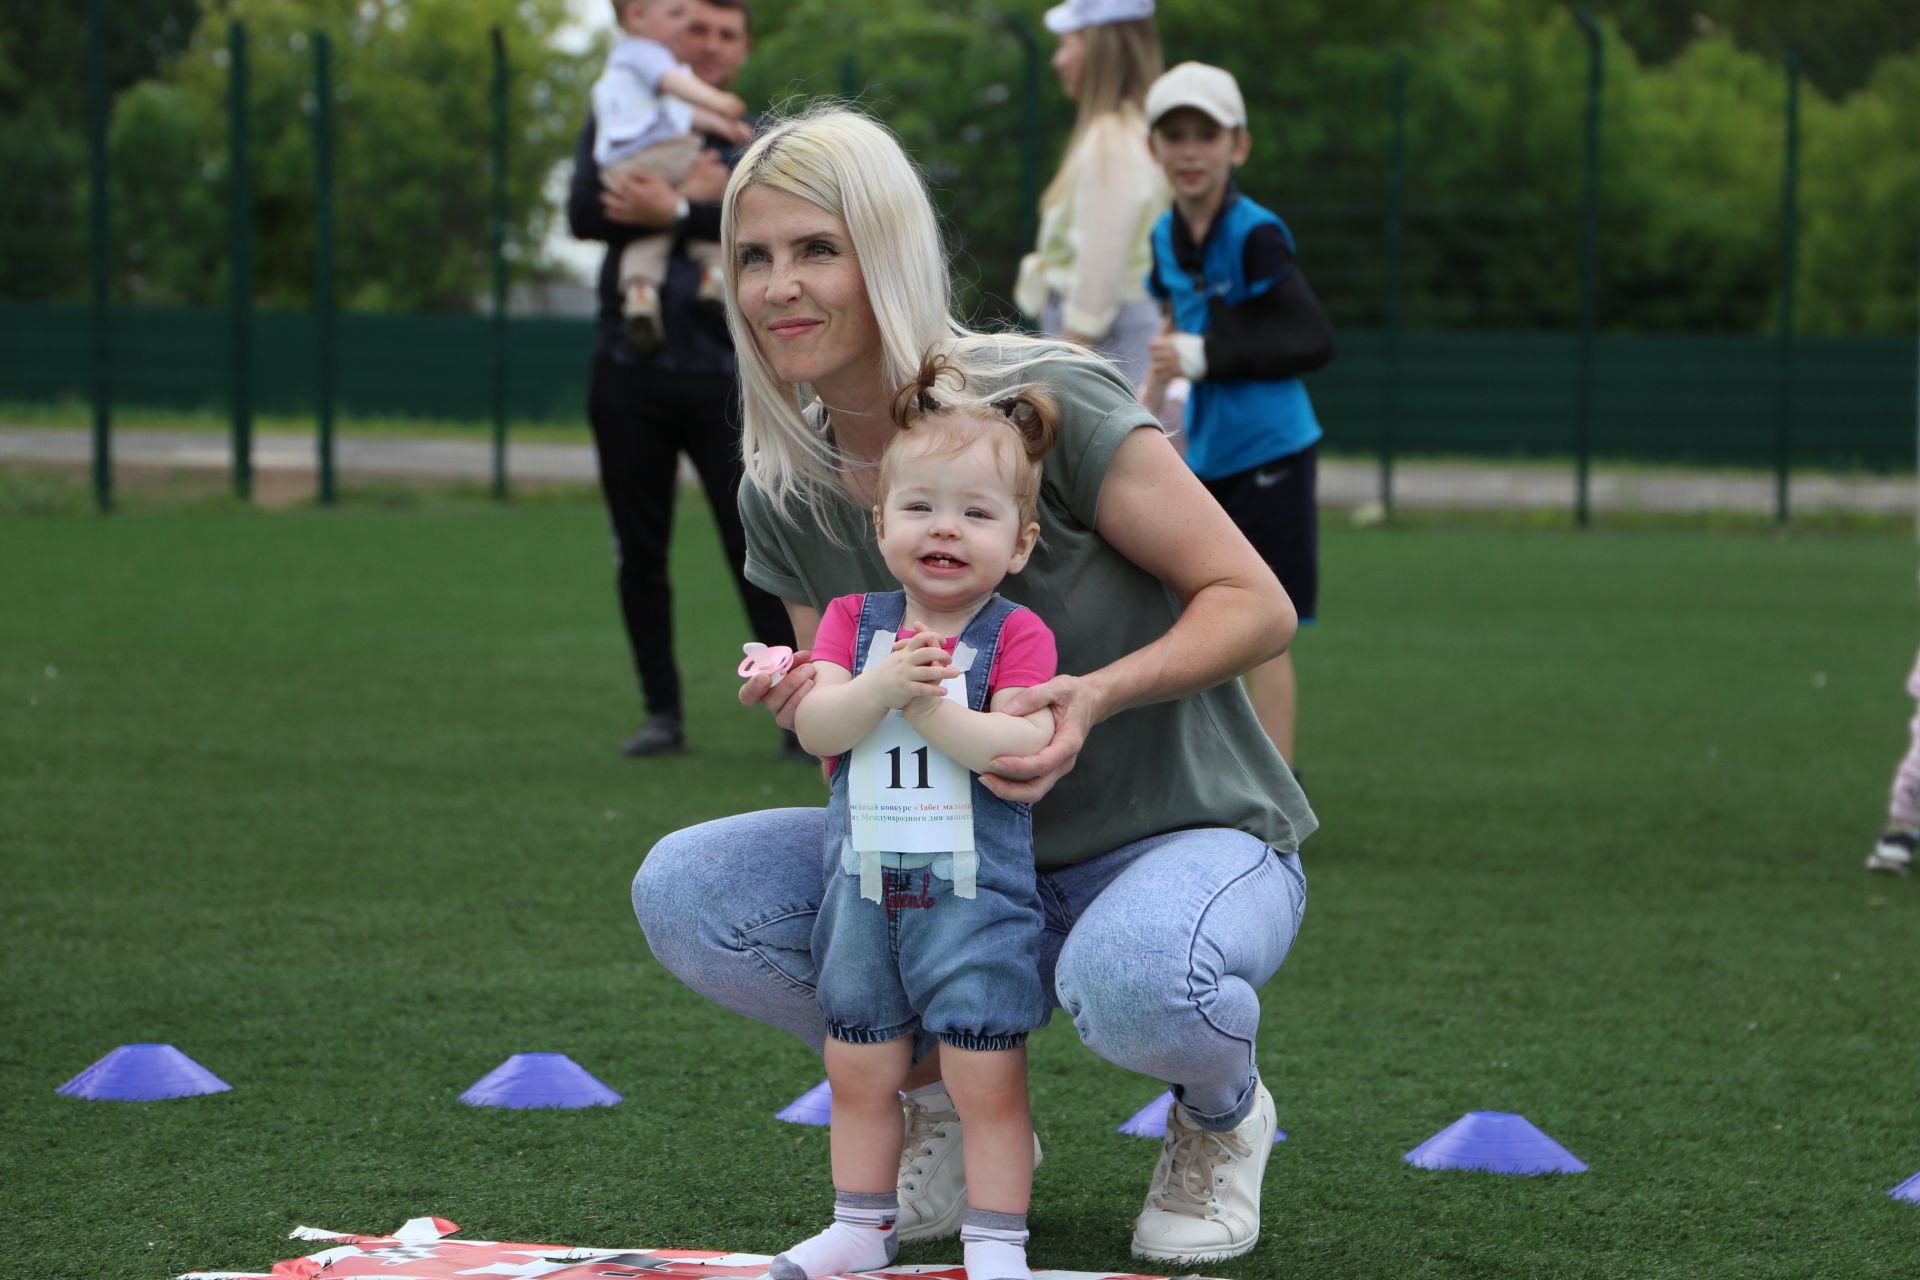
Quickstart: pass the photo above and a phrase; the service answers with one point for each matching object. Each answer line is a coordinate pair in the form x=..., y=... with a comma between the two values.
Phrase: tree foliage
x=1840, y=41
x=1690, y=189
x=1690, y=178
x=412, y=146
x=43, y=105
x=949, y=79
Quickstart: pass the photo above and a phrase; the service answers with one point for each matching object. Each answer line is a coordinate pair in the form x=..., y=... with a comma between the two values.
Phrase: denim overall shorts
x=966, y=970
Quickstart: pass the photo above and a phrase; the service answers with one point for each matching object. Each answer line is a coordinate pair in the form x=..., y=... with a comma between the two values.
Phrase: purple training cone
x=815, y=1106
x=1150, y=1121
x=1908, y=1190
x=1494, y=1142
x=539, y=1080
x=144, y=1073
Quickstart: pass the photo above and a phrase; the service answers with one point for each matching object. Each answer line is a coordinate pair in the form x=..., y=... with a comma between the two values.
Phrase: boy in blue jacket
x=1242, y=326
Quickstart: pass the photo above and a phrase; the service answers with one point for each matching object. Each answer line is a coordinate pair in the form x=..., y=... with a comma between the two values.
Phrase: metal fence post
x=1396, y=208
x=499, y=264
x=849, y=79
x=1789, y=255
x=323, y=299
x=1589, y=252
x=240, y=216
x=99, y=315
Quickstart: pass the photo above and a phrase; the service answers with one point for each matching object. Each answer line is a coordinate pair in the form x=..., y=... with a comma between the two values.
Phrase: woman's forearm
x=1235, y=613
x=1226, y=629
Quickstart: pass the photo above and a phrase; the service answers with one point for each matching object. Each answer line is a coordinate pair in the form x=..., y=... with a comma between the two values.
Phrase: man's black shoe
x=659, y=736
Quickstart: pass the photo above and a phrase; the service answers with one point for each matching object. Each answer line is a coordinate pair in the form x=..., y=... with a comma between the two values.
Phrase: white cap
x=1204, y=88
x=1075, y=14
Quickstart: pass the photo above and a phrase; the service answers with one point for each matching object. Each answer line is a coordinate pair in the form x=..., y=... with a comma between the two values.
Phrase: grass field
x=331, y=801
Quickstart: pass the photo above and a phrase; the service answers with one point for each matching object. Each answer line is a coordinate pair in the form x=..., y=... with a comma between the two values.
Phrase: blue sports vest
x=1237, y=424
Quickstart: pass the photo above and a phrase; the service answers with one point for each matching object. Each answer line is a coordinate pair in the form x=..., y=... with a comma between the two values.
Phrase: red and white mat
x=425, y=1249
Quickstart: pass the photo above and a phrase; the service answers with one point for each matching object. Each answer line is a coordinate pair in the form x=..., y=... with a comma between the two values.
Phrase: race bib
x=904, y=796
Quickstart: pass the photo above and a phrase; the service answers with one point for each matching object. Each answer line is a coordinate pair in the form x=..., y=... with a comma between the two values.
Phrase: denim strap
x=886, y=611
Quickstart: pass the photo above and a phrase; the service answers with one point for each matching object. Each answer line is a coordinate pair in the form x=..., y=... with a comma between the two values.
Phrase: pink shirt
x=1025, y=656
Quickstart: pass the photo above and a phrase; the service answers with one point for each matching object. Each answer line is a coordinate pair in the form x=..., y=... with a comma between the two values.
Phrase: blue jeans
x=960, y=969
x=1156, y=950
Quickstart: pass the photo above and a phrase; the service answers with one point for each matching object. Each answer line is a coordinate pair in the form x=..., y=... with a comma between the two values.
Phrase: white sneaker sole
x=1235, y=1250
x=1199, y=1254
x=1888, y=866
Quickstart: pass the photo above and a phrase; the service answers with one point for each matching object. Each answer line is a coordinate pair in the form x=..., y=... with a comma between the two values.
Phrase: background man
x=647, y=410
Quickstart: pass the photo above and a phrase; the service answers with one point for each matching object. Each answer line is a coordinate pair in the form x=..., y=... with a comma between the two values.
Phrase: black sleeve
x=585, y=218
x=1282, y=332
x=703, y=222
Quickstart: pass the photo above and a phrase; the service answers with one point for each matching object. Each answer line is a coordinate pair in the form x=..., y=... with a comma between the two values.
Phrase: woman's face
x=801, y=293
x=1070, y=62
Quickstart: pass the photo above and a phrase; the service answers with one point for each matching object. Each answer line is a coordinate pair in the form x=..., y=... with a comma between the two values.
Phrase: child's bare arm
x=1163, y=366
x=844, y=708
x=974, y=738
x=837, y=713
x=690, y=88
x=738, y=132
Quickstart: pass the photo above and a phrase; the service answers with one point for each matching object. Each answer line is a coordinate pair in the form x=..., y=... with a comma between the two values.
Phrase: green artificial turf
x=332, y=802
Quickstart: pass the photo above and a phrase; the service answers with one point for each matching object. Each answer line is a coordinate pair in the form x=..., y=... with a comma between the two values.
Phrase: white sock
x=995, y=1245
x=862, y=1238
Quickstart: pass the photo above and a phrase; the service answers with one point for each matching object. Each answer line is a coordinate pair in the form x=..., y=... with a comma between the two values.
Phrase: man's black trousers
x=643, y=419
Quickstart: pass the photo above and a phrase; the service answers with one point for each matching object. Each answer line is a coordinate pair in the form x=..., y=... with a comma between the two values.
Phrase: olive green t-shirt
x=1200, y=761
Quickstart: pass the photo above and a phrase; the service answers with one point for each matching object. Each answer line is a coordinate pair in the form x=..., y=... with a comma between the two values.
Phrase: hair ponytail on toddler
x=1031, y=412
x=935, y=398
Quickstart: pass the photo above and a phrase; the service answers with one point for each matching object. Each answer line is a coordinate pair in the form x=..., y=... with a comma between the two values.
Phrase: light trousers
x=1156, y=950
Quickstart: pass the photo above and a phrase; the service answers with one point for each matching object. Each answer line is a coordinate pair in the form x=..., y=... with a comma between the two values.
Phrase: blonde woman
x=1167, y=854
x=1084, y=281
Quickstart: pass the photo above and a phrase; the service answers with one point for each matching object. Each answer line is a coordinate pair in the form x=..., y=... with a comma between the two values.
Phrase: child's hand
x=732, y=104
x=914, y=670
x=738, y=132
x=1163, y=358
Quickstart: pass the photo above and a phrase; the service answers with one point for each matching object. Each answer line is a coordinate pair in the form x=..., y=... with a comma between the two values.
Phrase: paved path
x=1342, y=483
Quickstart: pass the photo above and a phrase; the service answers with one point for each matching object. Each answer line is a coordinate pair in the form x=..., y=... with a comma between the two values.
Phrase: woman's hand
x=1076, y=707
x=782, y=699
x=636, y=198
x=706, y=182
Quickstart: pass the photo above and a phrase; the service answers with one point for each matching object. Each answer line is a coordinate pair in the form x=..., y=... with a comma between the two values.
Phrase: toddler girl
x=930, y=921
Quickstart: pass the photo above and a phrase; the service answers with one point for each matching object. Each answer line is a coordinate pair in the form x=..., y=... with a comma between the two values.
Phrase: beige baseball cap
x=1204, y=88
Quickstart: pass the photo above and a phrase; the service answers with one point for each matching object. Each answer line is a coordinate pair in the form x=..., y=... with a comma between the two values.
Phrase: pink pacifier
x=766, y=660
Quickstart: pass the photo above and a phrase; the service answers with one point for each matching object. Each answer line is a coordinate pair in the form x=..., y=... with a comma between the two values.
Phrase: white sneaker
x=1204, y=1204
x=1893, y=851
x=933, y=1172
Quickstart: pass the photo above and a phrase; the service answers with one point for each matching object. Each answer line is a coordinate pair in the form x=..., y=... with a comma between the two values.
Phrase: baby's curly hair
x=1023, y=423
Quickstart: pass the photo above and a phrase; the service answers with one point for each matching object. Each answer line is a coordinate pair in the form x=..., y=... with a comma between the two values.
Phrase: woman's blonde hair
x=1122, y=61
x=855, y=169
